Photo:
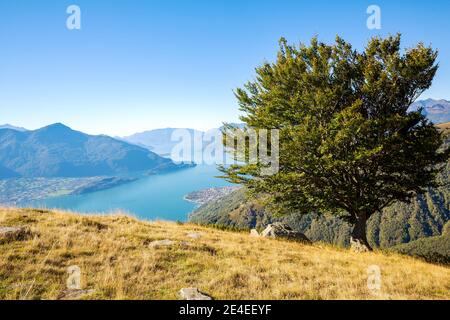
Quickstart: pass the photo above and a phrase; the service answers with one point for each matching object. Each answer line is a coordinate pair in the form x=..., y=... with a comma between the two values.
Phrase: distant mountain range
x=8, y=126
x=59, y=151
x=160, y=140
x=437, y=111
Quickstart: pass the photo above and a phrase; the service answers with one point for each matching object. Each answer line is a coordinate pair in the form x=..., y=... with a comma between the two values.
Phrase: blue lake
x=151, y=197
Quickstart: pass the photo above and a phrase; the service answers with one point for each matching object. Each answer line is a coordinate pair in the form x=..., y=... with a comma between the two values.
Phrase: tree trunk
x=358, y=239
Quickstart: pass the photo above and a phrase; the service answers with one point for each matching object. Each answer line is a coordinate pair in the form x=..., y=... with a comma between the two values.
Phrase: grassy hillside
x=118, y=262
x=444, y=126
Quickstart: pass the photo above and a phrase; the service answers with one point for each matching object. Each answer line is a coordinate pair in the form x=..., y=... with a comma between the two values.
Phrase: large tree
x=347, y=143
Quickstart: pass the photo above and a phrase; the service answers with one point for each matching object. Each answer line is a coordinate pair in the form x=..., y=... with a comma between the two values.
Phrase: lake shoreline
x=150, y=197
x=204, y=196
x=20, y=191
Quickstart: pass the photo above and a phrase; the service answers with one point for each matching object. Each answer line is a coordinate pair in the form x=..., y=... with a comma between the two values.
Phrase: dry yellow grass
x=444, y=126
x=116, y=260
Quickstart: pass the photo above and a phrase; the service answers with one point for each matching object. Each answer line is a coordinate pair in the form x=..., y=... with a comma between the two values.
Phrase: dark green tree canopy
x=348, y=144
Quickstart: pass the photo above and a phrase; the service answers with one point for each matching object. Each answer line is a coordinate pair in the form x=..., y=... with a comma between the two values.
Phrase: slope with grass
x=117, y=261
x=444, y=126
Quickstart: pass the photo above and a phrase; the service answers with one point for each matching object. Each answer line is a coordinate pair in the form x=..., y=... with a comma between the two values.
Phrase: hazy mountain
x=58, y=151
x=8, y=126
x=438, y=111
x=160, y=140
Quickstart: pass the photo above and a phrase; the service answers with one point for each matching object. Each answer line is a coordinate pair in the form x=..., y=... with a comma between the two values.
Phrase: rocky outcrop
x=9, y=234
x=281, y=230
x=74, y=294
x=193, y=294
x=194, y=235
x=358, y=246
x=161, y=243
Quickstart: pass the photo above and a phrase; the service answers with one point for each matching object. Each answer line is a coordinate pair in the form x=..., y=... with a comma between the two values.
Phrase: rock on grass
x=193, y=294
x=281, y=230
x=10, y=234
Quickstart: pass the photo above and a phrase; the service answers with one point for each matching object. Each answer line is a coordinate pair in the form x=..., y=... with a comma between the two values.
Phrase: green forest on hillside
x=432, y=249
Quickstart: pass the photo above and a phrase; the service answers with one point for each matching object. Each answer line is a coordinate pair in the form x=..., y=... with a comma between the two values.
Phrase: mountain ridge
x=436, y=110
x=57, y=150
x=160, y=140
x=11, y=127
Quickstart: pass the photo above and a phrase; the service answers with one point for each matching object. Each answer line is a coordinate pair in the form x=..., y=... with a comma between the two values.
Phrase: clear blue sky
x=138, y=65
